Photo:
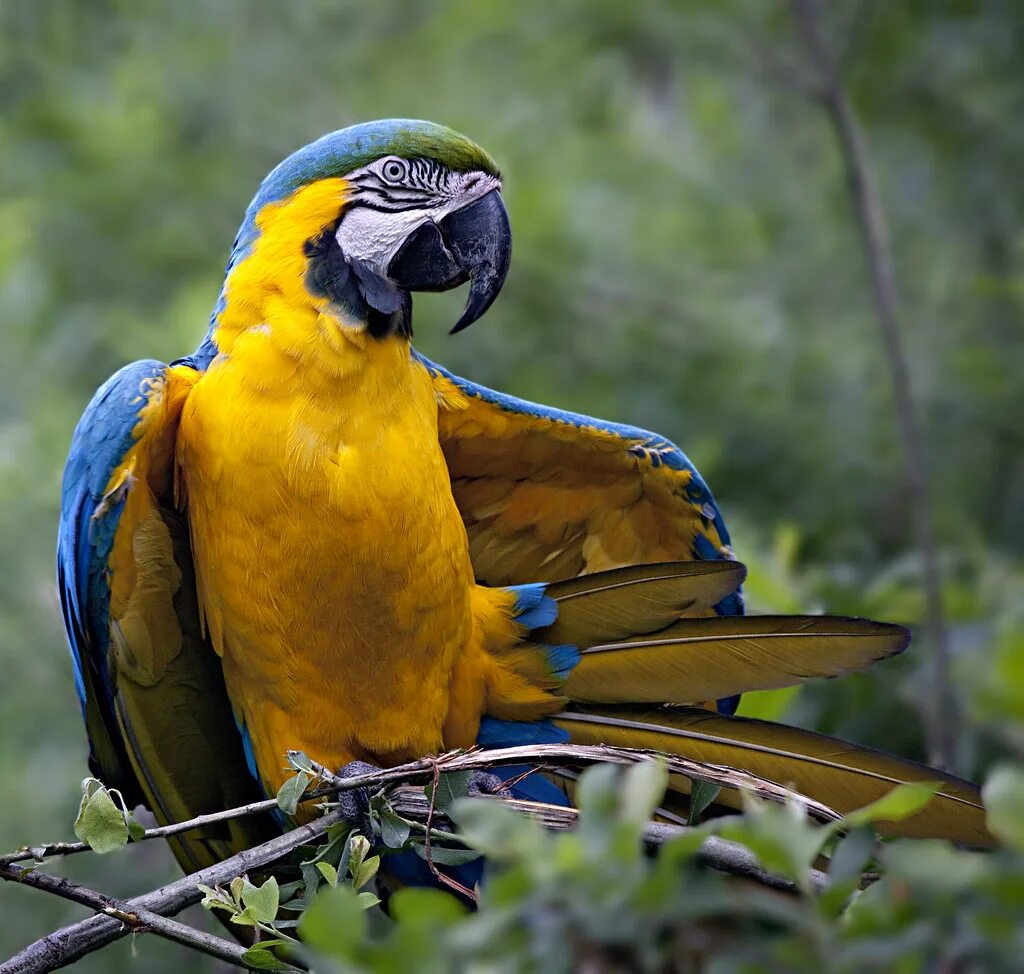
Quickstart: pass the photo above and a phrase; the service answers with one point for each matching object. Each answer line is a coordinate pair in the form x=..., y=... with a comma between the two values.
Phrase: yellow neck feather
x=272, y=319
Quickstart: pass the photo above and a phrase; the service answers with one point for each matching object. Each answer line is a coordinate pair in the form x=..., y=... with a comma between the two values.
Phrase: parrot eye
x=393, y=170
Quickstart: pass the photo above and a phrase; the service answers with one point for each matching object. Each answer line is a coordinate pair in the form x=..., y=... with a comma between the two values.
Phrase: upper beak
x=473, y=243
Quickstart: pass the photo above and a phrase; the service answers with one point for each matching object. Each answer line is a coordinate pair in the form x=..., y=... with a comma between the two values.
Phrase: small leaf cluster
x=273, y=909
x=397, y=834
x=104, y=821
x=249, y=905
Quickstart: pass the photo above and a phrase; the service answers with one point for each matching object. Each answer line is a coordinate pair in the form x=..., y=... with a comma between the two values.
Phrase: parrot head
x=376, y=211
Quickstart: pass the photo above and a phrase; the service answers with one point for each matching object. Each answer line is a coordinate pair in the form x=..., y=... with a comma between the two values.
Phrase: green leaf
x=300, y=761
x=328, y=872
x=100, y=822
x=781, y=837
x=339, y=838
x=136, y=829
x=262, y=958
x=431, y=908
x=902, y=802
x=289, y=794
x=684, y=846
x=451, y=786
x=497, y=831
x=367, y=900
x=261, y=901
x=1003, y=796
x=597, y=793
x=215, y=898
x=642, y=788
x=702, y=794
x=443, y=856
x=846, y=866
x=366, y=871
x=286, y=890
x=359, y=848
x=934, y=866
x=852, y=854
x=310, y=885
x=394, y=830
x=335, y=922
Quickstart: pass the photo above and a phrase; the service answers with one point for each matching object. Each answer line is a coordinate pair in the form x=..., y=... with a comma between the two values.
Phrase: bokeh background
x=686, y=259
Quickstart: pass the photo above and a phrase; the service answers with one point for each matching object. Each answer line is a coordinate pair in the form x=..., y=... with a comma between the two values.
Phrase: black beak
x=472, y=244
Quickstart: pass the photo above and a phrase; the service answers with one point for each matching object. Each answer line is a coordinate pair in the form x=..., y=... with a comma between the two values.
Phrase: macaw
x=307, y=535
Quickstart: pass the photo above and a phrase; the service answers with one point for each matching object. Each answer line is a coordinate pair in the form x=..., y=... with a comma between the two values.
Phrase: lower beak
x=473, y=243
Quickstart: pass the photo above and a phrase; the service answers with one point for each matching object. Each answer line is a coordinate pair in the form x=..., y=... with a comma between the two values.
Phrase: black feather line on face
x=366, y=296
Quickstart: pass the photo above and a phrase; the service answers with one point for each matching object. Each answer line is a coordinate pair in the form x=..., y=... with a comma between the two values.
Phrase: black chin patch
x=366, y=296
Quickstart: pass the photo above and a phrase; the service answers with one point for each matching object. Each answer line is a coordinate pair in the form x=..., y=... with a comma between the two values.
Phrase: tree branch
x=716, y=853
x=478, y=759
x=139, y=919
x=67, y=945
x=941, y=715
x=454, y=761
x=75, y=941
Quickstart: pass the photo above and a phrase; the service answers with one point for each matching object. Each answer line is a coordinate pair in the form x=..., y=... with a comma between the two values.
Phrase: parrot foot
x=485, y=783
x=355, y=804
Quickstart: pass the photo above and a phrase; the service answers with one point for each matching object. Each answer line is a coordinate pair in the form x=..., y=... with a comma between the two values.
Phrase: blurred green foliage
x=592, y=900
x=685, y=260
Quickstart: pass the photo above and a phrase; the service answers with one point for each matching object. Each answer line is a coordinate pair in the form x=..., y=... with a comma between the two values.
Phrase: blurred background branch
x=940, y=709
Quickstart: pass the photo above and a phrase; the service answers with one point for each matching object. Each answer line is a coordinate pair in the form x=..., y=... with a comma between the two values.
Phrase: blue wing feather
x=84, y=542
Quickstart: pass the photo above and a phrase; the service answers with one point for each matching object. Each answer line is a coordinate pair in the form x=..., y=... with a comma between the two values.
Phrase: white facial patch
x=384, y=210
x=374, y=237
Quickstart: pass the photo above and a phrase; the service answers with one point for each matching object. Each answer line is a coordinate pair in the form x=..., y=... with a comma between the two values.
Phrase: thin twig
x=941, y=719
x=139, y=919
x=449, y=881
x=69, y=944
x=39, y=852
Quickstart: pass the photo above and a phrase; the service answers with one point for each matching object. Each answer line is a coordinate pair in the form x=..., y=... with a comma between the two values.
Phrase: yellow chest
x=332, y=562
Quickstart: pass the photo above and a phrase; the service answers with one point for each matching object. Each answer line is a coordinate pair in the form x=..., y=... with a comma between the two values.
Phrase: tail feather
x=661, y=634
x=703, y=659
x=636, y=600
x=841, y=775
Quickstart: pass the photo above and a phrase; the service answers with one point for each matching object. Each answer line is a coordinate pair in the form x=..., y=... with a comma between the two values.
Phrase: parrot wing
x=552, y=495
x=547, y=494
x=159, y=724
x=609, y=516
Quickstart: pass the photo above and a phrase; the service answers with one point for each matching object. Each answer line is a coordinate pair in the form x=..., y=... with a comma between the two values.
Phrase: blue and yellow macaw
x=307, y=535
